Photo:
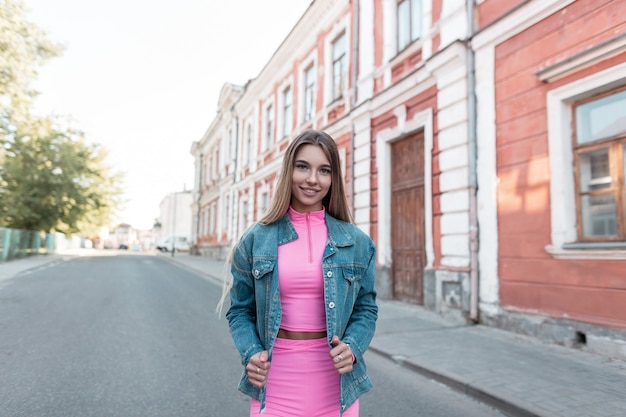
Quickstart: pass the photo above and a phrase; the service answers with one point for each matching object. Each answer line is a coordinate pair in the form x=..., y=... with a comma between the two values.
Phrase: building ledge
x=589, y=251
x=590, y=56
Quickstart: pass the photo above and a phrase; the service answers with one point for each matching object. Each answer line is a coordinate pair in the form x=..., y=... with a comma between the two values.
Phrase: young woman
x=302, y=296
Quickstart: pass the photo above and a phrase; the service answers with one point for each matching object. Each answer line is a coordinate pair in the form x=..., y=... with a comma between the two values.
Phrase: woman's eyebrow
x=303, y=161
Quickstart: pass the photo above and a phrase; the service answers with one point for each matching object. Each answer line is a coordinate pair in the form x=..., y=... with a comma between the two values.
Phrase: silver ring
x=258, y=370
x=340, y=358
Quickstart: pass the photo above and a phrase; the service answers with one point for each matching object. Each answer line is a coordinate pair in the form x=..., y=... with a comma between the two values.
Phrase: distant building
x=121, y=235
x=175, y=219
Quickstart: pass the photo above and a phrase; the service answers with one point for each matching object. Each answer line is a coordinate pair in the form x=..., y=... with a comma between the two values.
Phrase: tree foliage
x=51, y=179
x=54, y=181
x=24, y=47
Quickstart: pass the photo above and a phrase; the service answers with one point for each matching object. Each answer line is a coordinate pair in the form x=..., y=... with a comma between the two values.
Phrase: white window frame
x=212, y=215
x=331, y=38
x=419, y=21
x=339, y=88
x=245, y=212
x=562, y=184
x=308, y=62
x=268, y=137
x=225, y=204
x=285, y=130
x=248, y=143
x=205, y=221
x=264, y=189
x=214, y=164
x=228, y=146
x=206, y=175
x=309, y=105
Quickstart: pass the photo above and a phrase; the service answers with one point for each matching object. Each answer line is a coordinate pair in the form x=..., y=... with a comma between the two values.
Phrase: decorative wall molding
x=607, y=49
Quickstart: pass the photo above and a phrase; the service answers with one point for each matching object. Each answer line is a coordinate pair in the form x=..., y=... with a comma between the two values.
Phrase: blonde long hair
x=335, y=202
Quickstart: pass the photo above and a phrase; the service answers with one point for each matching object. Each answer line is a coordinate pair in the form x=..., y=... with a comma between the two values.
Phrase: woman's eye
x=325, y=171
x=302, y=166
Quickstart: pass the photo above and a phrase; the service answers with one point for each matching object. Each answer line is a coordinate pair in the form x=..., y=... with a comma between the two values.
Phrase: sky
x=142, y=78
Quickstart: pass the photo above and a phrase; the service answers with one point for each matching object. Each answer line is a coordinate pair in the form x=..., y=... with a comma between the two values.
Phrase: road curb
x=203, y=274
x=506, y=404
x=9, y=269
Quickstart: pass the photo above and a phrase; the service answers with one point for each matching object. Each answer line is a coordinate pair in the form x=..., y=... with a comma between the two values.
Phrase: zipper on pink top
x=308, y=226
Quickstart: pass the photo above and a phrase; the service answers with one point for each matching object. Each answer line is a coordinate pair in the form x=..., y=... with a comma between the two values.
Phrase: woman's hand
x=257, y=368
x=341, y=356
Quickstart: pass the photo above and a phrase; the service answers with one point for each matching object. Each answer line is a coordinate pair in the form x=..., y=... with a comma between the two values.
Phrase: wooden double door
x=407, y=218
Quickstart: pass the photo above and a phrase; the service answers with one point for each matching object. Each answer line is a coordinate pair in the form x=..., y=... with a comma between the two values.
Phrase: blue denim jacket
x=254, y=315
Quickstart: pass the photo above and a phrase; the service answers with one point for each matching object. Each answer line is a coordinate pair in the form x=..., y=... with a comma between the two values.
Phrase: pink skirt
x=302, y=382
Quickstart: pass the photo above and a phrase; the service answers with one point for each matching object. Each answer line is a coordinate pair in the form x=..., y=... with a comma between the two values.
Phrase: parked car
x=181, y=244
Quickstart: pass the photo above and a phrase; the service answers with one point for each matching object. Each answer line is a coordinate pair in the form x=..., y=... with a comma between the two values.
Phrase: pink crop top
x=300, y=274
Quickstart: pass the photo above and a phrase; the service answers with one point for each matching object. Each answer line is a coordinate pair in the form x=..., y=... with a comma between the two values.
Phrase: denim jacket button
x=331, y=304
x=329, y=274
x=256, y=272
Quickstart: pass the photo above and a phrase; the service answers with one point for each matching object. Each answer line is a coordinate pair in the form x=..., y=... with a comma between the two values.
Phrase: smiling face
x=311, y=179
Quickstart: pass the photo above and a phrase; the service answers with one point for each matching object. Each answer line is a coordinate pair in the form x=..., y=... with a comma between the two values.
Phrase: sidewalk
x=14, y=267
x=518, y=375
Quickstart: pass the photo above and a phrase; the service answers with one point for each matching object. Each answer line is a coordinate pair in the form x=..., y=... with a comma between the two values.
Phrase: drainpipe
x=353, y=96
x=472, y=153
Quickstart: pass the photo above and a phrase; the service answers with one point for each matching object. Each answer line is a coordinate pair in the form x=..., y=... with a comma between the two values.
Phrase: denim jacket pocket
x=353, y=275
x=262, y=267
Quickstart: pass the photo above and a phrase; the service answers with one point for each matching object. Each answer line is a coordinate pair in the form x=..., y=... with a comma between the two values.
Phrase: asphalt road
x=133, y=335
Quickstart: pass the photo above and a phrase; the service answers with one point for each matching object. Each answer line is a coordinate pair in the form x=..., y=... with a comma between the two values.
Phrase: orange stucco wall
x=491, y=10
x=530, y=279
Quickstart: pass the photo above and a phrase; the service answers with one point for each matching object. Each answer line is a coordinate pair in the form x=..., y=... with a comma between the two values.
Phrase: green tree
x=51, y=179
x=54, y=181
x=24, y=47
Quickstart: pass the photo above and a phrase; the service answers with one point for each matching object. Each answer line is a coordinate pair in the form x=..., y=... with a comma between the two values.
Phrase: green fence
x=17, y=244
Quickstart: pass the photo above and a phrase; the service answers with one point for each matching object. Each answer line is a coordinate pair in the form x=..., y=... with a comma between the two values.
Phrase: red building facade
x=552, y=78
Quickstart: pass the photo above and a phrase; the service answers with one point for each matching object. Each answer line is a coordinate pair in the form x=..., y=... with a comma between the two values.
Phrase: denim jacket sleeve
x=242, y=311
x=361, y=325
